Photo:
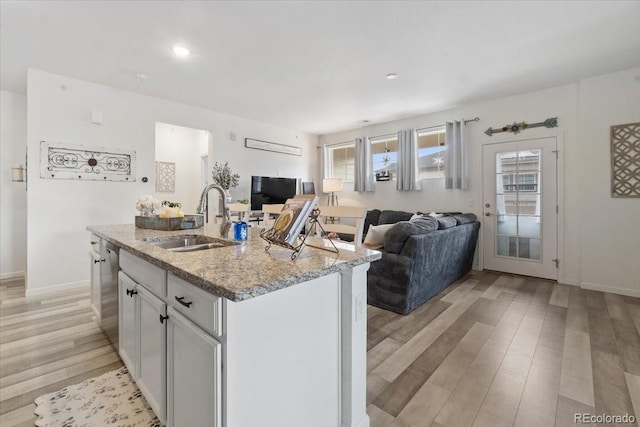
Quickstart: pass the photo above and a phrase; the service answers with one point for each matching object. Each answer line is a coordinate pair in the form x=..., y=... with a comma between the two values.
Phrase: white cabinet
x=128, y=323
x=194, y=383
x=95, y=263
x=152, y=340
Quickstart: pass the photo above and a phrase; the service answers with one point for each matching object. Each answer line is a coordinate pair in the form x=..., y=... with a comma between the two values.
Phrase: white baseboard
x=12, y=275
x=572, y=282
x=620, y=291
x=57, y=288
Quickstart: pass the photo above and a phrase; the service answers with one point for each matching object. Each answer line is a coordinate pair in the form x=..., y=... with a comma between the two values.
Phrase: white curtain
x=408, y=171
x=455, y=172
x=363, y=175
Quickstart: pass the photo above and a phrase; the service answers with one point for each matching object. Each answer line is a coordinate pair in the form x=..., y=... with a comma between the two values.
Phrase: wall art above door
x=81, y=162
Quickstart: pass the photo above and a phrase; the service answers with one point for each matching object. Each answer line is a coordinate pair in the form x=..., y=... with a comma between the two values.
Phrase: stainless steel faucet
x=202, y=206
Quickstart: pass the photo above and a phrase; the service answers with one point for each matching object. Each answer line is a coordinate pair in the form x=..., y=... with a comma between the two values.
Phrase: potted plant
x=224, y=176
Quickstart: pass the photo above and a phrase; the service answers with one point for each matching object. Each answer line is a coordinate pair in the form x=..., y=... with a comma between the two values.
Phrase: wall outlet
x=232, y=136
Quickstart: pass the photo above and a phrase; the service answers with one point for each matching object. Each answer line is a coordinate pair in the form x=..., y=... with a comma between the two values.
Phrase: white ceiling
x=320, y=66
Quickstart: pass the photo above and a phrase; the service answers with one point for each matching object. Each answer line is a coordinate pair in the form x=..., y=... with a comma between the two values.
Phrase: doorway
x=520, y=201
x=183, y=153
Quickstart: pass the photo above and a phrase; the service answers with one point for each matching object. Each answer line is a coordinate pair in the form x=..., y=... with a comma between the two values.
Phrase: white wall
x=13, y=197
x=59, y=109
x=610, y=226
x=585, y=111
x=184, y=147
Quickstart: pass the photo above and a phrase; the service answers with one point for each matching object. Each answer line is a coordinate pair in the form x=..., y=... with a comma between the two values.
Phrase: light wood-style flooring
x=491, y=350
x=502, y=350
x=46, y=344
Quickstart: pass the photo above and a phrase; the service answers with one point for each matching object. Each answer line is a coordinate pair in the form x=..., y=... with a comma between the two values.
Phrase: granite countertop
x=236, y=272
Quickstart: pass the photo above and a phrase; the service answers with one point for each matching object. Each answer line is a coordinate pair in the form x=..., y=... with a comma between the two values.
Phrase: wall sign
x=272, y=146
x=625, y=160
x=66, y=161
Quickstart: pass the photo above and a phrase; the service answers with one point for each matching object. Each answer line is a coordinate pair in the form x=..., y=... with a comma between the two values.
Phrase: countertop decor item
x=147, y=205
x=186, y=222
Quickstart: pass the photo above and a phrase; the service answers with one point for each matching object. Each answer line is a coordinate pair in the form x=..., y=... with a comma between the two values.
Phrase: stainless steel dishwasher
x=109, y=291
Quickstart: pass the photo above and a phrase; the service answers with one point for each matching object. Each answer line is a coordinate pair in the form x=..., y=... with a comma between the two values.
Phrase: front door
x=520, y=207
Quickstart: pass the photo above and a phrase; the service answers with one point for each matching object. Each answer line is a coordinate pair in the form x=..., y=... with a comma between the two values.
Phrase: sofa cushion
x=375, y=234
x=464, y=218
x=391, y=217
x=446, y=222
x=396, y=236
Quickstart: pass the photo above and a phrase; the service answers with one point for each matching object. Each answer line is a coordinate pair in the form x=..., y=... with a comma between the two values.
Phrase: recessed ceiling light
x=140, y=77
x=181, y=51
x=391, y=76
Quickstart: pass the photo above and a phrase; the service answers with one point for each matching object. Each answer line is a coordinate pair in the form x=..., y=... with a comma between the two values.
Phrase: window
x=432, y=153
x=341, y=162
x=385, y=155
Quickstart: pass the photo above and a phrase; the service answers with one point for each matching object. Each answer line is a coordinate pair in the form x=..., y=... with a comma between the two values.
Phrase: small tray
x=188, y=222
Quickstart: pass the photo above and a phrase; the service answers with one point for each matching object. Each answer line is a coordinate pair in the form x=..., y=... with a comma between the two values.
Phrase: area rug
x=112, y=399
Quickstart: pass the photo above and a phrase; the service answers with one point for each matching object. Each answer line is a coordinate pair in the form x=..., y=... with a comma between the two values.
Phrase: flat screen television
x=270, y=190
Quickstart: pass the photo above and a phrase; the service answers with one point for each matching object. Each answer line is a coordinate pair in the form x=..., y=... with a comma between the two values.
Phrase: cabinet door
x=153, y=341
x=128, y=323
x=94, y=259
x=193, y=374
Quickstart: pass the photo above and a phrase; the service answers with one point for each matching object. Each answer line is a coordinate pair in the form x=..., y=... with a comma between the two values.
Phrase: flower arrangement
x=147, y=205
x=223, y=176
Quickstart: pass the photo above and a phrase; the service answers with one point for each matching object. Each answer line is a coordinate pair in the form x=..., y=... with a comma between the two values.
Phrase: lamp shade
x=329, y=185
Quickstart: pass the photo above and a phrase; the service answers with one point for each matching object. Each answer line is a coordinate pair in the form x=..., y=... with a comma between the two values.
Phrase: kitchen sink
x=188, y=243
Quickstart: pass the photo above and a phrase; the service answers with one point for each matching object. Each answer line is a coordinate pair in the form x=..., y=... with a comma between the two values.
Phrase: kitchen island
x=235, y=336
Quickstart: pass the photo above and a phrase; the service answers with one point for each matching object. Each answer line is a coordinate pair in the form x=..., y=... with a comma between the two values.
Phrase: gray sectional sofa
x=420, y=257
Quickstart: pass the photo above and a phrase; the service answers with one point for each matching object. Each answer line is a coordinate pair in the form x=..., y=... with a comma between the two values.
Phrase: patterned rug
x=112, y=399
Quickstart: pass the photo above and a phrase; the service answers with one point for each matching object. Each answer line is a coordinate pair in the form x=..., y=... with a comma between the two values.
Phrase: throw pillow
x=436, y=215
x=375, y=234
x=416, y=216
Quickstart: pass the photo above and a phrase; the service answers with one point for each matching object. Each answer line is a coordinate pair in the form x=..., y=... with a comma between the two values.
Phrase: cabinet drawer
x=201, y=307
x=152, y=277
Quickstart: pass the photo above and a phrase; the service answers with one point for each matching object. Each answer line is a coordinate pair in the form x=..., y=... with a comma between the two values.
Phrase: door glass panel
x=508, y=224
x=529, y=226
x=529, y=160
x=506, y=162
x=518, y=207
x=507, y=204
x=506, y=246
x=529, y=248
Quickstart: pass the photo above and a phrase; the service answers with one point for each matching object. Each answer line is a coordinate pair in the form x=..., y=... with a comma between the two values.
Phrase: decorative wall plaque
x=516, y=128
x=625, y=160
x=165, y=177
x=65, y=161
x=272, y=146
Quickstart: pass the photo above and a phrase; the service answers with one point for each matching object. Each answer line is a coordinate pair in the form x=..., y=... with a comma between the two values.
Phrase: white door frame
x=532, y=134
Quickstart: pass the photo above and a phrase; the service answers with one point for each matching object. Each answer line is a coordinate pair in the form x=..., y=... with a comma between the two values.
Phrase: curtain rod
x=390, y=135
